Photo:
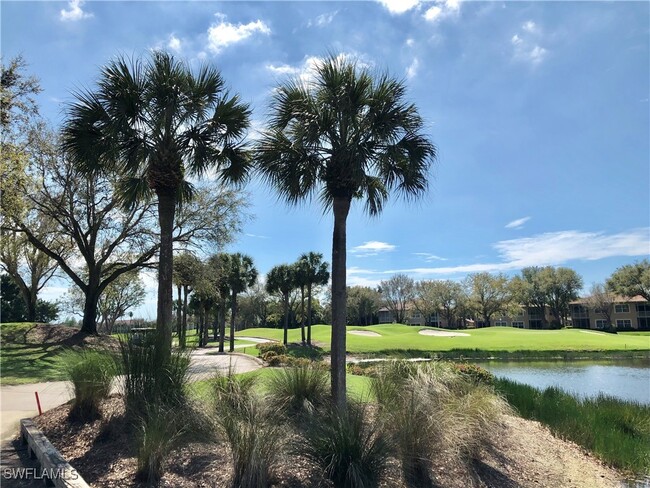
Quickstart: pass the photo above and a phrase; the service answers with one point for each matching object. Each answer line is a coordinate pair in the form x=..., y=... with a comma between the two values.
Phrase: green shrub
x=276, y=347
x=298, y=389
x=269, y=356
x=474, y=373
x=153, y=378
x=91, y=374
x=352, y=453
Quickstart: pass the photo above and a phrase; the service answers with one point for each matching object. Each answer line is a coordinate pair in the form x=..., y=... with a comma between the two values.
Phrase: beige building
x=627, y=314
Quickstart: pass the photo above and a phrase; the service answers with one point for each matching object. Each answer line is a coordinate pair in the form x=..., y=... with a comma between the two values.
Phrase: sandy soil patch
x=442, y=333
x=591, y=332
x=365, y=333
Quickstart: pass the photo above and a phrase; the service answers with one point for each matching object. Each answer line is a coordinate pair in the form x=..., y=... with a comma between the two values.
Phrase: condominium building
x=626, y=314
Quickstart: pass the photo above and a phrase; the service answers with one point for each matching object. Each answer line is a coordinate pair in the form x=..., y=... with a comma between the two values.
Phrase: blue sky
x=539, y=110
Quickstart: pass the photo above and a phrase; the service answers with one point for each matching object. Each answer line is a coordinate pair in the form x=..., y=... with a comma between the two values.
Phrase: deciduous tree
x=631, y=280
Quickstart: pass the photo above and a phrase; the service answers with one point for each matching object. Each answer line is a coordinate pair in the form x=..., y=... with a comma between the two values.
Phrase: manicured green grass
x=616, y=431
x=358, y=386
x=22, y=361
x=396, y=337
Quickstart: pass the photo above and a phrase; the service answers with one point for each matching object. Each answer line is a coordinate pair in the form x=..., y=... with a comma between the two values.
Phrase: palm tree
x=343, y=135
x=186, y=271
x=219, y=265
x=155, y=123
x=241, y=274
x=315, y=273
x=282, y=279
x=300, y=276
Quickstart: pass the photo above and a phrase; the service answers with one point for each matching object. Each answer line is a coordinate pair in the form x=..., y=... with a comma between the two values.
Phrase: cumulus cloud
x=517, y=224
x=174, y=43
x=412, y=69
x=397, y=7
x=306, y=69
x=526, y=44
x=323, y=19
x=441, y=10
x=74, y=12
x=372, y=248
x=223, y=34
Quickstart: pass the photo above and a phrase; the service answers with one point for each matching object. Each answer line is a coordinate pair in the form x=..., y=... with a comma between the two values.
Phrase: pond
x=625, y=379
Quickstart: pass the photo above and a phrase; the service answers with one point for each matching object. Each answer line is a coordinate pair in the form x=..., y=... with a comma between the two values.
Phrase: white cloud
x=323, y=19
x=412, y=69
x=258, y=236
x=517, y=224
x=442, y=9
x=552, y=248
x=223, y=34
x=74, y=12
x=525, y=44
x=397, y=7
x=429, y=257
x=372, y=248
x=410, y=42
x=174, y=43
x=305, y=71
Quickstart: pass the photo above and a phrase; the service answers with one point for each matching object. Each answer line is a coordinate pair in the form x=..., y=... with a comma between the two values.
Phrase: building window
x=601, y=323
x=624, y=324
x=622, y=308
x=535, y=324
x=501, y=323
x=643, y=323
x=519, y=325
x=643, y=310
x=581, y=323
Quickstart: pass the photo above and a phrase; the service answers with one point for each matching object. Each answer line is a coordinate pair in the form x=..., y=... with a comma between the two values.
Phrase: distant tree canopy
x=13, y=309
x=631, y=280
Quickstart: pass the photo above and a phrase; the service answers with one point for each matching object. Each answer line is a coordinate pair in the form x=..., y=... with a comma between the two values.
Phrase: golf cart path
x=19, y=401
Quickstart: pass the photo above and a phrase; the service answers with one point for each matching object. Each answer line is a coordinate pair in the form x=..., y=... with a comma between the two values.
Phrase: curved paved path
x=19, y=402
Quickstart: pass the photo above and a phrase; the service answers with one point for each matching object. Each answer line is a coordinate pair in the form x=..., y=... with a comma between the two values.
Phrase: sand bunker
x=442, y=333
x=366, y=333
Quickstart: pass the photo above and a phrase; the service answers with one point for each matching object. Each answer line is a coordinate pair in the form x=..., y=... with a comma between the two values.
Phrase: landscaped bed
x=528, y=456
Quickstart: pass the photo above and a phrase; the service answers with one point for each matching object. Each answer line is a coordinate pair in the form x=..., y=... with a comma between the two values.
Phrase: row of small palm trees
x=343, y=134
x=214, y=283
x=305, y=274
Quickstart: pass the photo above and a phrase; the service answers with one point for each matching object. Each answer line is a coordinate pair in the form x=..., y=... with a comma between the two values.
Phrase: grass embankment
x=616, y=431
x=33, y=352
x=502, y=342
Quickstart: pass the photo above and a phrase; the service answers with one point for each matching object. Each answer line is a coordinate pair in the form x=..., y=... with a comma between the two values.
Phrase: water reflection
x=627, y=380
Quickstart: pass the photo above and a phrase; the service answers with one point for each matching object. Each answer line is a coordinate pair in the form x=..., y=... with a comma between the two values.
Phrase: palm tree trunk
x=302, y=314
x=341, y=209
x=179, y=320
x=232, y=322
x=206, y=329
x=182, y=340
x=222, y=326
x=285, y=340
x=309, y=314
x=166, y=209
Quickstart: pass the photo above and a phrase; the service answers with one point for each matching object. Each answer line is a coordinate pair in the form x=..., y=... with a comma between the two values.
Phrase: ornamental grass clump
x=299, y=390
x=251, y=429
x=351, y=451
x=91, y=374
x=152, y=377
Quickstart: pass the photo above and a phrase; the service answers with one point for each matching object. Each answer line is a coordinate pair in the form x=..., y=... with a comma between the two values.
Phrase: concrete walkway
x=19, y=402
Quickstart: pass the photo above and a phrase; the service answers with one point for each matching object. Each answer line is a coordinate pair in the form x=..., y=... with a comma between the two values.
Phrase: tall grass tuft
x=433, y=408
x=616, y=431
x=353, y=453
x=299, y=390
x=151, y=378
x=250, y=428
x=91, y=374
x=160, y=430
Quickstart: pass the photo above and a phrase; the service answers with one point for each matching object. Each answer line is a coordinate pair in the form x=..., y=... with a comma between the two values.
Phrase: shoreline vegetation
x=616, y=431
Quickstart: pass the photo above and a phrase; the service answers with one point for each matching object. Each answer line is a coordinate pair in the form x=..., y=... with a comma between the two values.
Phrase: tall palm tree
x=154, y=123
x=315, y=274
x=282, y=279
x=344, y=135
x=219, y=265
x=241, y=275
